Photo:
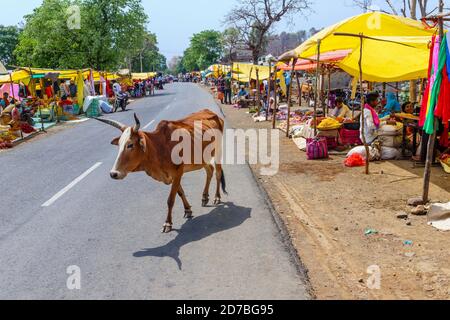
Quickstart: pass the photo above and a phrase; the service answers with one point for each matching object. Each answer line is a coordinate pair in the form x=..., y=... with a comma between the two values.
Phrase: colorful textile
x=426, y=96
x=439, y=90
x=376, y=119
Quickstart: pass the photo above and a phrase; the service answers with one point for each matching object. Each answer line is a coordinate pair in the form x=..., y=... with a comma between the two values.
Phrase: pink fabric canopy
x=306, y=65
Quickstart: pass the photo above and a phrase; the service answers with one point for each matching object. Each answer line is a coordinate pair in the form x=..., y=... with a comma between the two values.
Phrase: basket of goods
x=329, y=124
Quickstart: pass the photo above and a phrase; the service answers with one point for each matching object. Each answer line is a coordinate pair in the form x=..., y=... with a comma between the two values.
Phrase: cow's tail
x=223, y=183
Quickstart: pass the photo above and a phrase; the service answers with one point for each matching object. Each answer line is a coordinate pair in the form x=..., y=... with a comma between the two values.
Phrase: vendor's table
x=409, y=121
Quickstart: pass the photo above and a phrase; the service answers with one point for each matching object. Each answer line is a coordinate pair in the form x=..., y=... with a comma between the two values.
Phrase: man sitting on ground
x=342, y=110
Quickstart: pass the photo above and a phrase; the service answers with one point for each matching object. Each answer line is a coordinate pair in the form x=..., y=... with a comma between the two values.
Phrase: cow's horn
x=113, y=123
x=138, y=123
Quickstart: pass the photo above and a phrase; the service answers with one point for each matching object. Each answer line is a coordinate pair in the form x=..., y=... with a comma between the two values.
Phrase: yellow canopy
x=219, y=70
x=244, y=72
x=143, y=76
x=16, y=76
x=407, y=59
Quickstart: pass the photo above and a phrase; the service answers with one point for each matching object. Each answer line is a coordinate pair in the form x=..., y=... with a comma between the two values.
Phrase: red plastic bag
x=355, y=160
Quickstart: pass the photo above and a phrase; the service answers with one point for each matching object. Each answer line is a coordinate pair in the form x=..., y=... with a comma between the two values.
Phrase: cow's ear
x=143, y=144
x=115, y=142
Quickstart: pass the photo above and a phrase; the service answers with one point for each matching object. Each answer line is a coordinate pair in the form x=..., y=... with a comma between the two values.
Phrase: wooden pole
x=40, y=107
x=269, y=89
x=12, y=86
x=14, y=98
x=316, y=98
x=432, y=138
x=363, y=105
x=258, y=91
x=329, y=90
x=289, y=94
x=299, y=89
x=421, y=89
x=322, y=91
x=275, y=97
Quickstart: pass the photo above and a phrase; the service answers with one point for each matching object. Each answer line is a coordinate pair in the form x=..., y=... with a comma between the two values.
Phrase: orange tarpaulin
x=310, y=64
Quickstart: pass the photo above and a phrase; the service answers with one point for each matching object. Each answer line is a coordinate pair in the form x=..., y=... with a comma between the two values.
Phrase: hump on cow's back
x=207, y=111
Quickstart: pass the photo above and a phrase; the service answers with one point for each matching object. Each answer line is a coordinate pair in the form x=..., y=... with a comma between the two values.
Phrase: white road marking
x=168, y=107
x=71, y=185
x=149, y=124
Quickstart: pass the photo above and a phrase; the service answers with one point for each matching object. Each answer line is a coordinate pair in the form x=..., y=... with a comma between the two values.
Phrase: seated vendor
x=243, y=94
x=371, y=120
x=4, y=102
x=392, y=106
x=341, y=110
x=408, y=108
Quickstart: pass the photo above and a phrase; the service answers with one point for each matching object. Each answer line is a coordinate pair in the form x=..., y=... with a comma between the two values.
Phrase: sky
x=175, y=21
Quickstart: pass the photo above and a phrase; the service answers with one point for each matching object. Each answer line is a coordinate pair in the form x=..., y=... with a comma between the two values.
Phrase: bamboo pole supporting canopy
x=289, y=94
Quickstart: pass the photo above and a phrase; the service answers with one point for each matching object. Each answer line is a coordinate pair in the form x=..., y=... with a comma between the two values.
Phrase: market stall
x=39, y=98
x=397, y=50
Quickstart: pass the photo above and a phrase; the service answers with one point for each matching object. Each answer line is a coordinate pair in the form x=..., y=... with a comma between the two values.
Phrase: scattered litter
x=410, y=254
x=408, y=243
x=370, y=232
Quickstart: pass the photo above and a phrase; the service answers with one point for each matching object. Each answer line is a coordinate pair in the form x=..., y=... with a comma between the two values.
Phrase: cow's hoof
x=188, y=214
x=205, y=202
x=217, y=201
x=167, y=228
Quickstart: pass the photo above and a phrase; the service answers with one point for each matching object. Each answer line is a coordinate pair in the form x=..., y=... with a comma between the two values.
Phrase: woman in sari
x=392, y=106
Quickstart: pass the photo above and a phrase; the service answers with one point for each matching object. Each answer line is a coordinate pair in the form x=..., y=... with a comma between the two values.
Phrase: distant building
x=264, y=61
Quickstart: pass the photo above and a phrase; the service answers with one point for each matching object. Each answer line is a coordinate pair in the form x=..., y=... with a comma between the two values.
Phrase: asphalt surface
x=112, y=230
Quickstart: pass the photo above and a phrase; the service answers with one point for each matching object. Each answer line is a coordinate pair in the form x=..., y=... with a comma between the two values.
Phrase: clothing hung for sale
x=436, y=102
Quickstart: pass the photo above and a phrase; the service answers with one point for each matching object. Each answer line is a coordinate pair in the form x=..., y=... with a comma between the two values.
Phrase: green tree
x=9, y=38
x=46, y=40
x=109, y=30
x=148, y=58
x=189, y=60
x=205, y=48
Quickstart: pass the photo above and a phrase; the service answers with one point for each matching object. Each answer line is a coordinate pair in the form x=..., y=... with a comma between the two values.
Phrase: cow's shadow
x=225, y=217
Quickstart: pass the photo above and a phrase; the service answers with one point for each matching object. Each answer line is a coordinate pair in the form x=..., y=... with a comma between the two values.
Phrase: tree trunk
x=255, y=54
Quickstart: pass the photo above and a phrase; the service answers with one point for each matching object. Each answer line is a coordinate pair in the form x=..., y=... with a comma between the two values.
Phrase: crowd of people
x=57, y=100
x=381, y=112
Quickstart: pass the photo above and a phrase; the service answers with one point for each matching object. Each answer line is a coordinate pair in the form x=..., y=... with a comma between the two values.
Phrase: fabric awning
x=382, y=61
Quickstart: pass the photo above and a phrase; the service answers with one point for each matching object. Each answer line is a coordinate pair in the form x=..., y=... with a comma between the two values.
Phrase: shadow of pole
x=225, y=217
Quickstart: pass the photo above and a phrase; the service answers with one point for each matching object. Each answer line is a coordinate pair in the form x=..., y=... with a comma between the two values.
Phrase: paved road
x=111, y=230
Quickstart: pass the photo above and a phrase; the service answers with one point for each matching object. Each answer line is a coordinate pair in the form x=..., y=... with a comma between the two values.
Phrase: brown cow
x=151, y=152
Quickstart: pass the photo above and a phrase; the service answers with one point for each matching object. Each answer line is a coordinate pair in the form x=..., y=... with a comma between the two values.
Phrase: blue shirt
x=242, y=93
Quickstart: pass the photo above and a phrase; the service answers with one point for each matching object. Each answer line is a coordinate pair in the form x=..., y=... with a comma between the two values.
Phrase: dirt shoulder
x=327, y=209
